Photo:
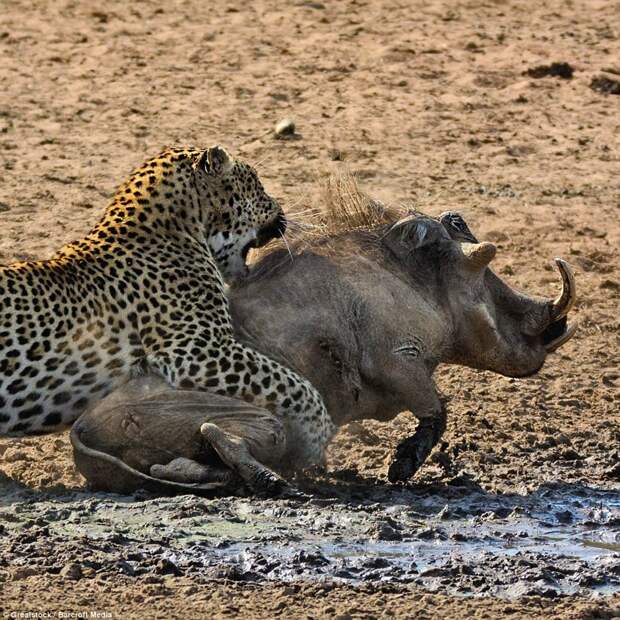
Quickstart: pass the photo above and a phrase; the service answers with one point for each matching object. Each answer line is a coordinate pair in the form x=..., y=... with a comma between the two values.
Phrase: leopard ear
x=216, y=161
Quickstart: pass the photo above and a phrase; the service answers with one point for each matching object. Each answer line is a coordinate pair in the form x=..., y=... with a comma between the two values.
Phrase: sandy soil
x=427, y=102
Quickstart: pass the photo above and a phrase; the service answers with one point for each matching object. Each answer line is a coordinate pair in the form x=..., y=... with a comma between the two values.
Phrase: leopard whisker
x=288, y=247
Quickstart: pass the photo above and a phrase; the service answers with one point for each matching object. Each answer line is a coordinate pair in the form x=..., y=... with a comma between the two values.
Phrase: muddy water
x=455, y=538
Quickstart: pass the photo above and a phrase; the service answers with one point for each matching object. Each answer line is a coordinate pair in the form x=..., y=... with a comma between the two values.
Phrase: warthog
x=366, y=310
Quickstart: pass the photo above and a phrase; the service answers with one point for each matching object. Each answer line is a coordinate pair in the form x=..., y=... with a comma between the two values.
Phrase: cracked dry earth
x=430, y=103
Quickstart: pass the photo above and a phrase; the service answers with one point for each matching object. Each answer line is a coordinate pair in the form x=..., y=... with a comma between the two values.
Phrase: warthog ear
x=478, y=255
x=216, y=161
x=416, y=231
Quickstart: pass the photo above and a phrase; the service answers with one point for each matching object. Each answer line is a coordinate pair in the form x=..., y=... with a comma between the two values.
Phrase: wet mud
x=453, y=539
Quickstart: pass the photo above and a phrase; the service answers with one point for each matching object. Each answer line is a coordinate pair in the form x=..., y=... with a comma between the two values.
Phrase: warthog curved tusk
x=563, y=303
x=560, y=340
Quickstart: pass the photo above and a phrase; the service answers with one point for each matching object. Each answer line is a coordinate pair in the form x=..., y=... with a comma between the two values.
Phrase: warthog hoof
x=401, y=470
x=411, y=453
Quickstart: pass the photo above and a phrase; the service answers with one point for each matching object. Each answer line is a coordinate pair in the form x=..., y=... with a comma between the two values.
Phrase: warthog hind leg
x=147, y=434
x=234, y=452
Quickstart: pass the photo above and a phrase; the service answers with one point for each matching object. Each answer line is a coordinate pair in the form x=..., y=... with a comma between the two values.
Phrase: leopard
x=146, y=291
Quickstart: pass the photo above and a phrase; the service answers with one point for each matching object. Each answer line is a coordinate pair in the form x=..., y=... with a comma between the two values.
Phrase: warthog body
x=366, y=312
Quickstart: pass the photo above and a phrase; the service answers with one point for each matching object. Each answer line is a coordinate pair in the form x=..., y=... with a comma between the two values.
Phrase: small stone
x=285, y=128
x=445, y=513
x=611, y=285
x=605, y=85
x=100, y=16
x=431, y=533
x=12, y=455
x=72, y=571
x=335, y=154
x=166, y=567
x=125, y=568
x=555, y=69
x=23, y=572
x=564, y=516
x=569, y=454
x=497, y=236
x=613, y=472
x=387, y=529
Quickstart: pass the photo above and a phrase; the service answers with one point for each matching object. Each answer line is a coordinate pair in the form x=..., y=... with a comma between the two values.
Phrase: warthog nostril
x=557, y=334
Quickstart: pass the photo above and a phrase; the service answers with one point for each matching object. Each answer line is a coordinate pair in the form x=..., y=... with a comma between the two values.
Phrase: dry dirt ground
x=426, y=102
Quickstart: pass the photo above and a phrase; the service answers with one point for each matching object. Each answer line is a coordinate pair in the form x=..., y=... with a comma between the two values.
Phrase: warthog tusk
x=478, y=255
x=563, y=303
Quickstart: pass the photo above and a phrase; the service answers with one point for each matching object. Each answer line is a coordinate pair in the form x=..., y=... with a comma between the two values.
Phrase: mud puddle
x=562, y=539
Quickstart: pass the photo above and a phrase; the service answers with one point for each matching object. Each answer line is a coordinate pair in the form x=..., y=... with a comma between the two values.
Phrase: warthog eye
x=411, y=348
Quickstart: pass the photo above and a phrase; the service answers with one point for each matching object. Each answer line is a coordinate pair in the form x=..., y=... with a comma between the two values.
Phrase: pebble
x=166, y=567
x=385, y=530
x=569, y=455
x=564, y=516
x=610, y=284
x=613, y=472
x=12, y=455
x=72, y=571
x=22, y=572
x=285, y=128
x=497, y=235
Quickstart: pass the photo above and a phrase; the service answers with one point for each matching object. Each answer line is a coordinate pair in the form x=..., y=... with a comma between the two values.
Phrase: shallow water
x=457, y=540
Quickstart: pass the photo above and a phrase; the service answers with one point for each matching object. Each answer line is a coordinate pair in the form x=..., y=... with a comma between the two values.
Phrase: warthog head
x=372, y=303
x=494, y=326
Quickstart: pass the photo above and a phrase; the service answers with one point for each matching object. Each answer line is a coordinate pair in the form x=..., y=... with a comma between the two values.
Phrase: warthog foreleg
x=404, y=376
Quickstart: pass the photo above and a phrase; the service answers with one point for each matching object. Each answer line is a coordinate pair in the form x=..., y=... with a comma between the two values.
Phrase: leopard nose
x=274, y=229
